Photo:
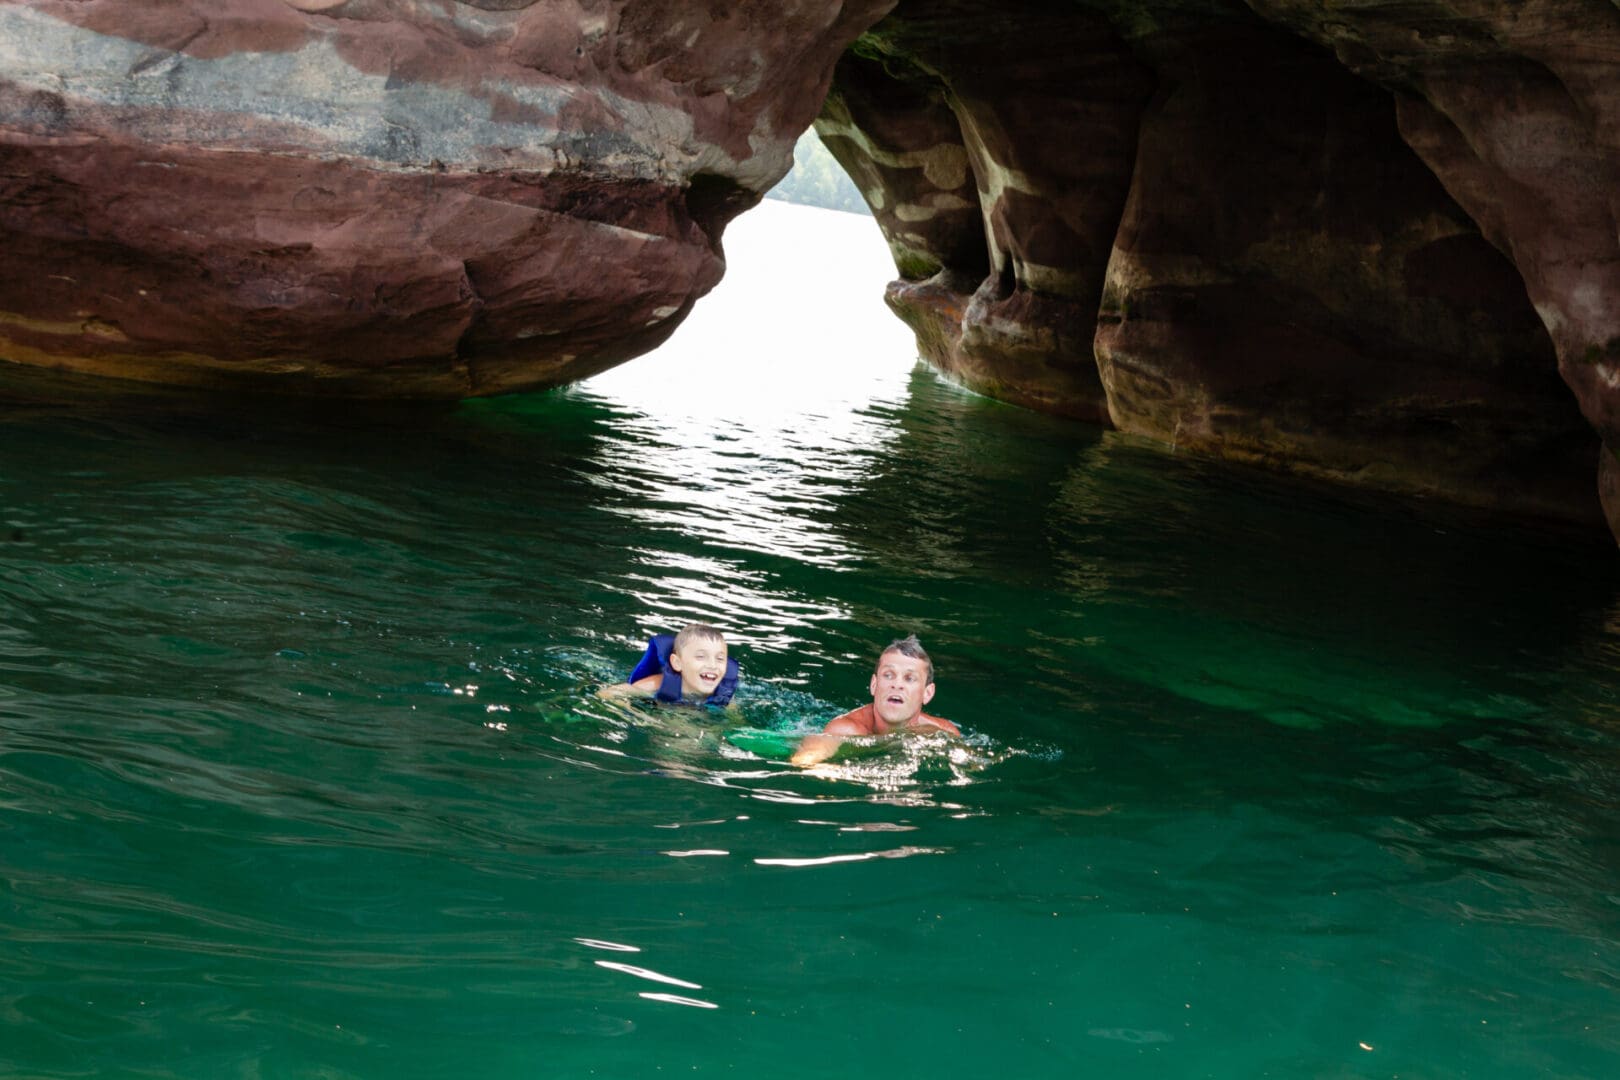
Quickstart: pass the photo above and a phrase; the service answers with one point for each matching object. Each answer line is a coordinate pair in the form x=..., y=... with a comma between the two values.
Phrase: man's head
x=903, y=682
x=699, y=657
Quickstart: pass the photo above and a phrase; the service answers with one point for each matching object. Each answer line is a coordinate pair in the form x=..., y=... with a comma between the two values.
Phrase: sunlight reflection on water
x=751, y=457
x=739, y=450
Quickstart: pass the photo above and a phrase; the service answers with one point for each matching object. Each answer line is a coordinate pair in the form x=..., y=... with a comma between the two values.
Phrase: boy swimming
x=690, y=667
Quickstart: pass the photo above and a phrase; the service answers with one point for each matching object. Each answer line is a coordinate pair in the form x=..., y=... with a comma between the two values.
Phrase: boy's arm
x=649, y=685
x=818, y=748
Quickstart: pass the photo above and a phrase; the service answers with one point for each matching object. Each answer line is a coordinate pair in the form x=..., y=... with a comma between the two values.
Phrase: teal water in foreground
x=302, y=772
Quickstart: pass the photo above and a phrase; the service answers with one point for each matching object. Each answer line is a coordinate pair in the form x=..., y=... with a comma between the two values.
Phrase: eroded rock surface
x=394, y=197
x=1200, y=223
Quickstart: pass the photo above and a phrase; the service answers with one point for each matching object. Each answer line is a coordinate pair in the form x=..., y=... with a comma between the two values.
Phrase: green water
x=302, y=772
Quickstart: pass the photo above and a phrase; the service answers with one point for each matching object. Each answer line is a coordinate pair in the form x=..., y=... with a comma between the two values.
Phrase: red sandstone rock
x=1308, y=294
x=1236, y=234
x=999, y=181
x=1514, y=108
x=384, y=198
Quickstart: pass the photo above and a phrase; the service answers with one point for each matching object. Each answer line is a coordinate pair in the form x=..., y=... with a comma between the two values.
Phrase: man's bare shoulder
x=925, y=721
x=855, y=722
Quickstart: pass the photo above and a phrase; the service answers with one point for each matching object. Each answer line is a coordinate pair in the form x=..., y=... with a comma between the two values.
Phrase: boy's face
x=701, y=663
x=900, y=688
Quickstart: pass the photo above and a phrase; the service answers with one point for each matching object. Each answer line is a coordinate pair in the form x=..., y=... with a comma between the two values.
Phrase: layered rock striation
x=385, y=197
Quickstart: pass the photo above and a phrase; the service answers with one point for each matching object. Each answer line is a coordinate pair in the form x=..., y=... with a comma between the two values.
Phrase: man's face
x=701, y=664
x=900, y=688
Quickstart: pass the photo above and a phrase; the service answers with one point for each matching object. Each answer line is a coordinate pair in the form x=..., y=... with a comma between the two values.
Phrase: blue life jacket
x=655, y=661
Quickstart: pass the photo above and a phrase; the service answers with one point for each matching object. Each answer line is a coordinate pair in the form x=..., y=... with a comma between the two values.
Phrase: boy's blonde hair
x=907, y=646
x=697, y=630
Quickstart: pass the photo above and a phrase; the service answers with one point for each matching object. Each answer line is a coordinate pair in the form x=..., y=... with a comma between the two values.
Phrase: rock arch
x=1377, y=243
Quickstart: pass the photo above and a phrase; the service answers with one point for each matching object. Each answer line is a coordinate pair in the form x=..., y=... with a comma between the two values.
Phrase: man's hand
x=815, y=749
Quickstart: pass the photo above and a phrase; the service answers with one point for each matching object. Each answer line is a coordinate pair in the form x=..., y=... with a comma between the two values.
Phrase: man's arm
x=818, y=748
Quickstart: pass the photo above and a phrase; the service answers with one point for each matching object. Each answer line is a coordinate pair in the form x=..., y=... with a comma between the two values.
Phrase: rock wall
x=1199, y=224
x=392, y=197
x=1515, y=109
x=996, y=148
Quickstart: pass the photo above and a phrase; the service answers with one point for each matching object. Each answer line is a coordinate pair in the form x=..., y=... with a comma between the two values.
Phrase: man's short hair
x=907, y=646
x=697, y=630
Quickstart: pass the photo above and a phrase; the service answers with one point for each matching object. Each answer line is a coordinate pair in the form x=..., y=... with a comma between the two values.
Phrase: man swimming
x=901, y=685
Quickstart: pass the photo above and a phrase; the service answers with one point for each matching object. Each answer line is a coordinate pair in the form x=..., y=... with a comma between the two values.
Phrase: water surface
x=302, y=772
